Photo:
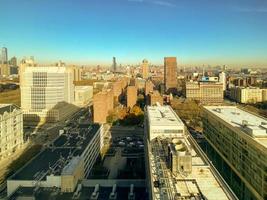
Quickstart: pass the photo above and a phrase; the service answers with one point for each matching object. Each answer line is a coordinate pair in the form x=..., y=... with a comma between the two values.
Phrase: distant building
x=11, y=129
x=149, y=86
x=83, y=95
x=154, y=97
x=13, y=61
x=205, y=92
x=170, y=74
x=117, y=89
x=240, y=140
x=114, y=64
x=77, y=73
x=47, y=93
x=4, y=56
x=248, y=94
x=5, y=70
x=222, y=79
x=145, y=69
x=131, y=96
x=102, y=104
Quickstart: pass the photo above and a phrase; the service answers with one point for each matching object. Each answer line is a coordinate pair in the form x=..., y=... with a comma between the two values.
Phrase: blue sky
x=197, y=32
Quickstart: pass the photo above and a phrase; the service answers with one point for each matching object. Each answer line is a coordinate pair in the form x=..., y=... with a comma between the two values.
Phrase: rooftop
x=85, y=193
x=57, y=155
x=51, y=69
x=163, y=116
x=250, y=124
x=201, y=183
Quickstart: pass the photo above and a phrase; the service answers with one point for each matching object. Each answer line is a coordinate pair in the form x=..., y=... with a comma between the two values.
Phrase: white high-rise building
x=222, y=79
x=47, y=93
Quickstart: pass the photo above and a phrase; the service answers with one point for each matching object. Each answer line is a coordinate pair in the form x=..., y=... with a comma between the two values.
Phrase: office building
x=240, y=139
x=47, y=93
x=11, y=129
x=4, y=57
x=154, y=98
x=149, y=86
x=145, y=69
x=102, y=104
x=131, y=96
x=170, y=74
x=247, y=94
x=176, y=169
x=83, y=95
x=65, y=162
x=205, y=91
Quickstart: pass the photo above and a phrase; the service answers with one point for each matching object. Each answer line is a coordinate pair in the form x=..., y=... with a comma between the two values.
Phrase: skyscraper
x=170, y=74
x=145, y=69
x=4, y=55
x=114, y=65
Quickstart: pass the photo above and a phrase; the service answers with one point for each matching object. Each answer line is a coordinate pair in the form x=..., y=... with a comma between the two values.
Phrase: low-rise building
x=248, y=94
x=11, y=129
x=65, y=162
x=154, y=97
x=163, y=121
x=205, y=92
x=83, y=95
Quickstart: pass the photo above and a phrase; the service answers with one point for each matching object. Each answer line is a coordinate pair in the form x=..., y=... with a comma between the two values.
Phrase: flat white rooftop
x=250, y=124
x=163, y=116
x=204, y=180
x=49, y=69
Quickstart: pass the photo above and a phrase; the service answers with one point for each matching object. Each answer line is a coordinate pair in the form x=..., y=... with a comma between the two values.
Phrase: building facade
x=170, y=73
x=248, y=94
x=131, y=96
x=240, y=139
x=11, y=129
x=149, y=86
x=205, y=92
x=145, y=69
x=47, y=93
x=83, y=95
x=154, y=97
x=102, y=104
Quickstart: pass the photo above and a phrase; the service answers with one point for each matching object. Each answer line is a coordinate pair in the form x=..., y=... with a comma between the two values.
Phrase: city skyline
x=91, y=33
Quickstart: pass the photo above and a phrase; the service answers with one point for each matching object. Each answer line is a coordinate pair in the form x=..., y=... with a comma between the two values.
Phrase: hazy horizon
x=84, y=32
